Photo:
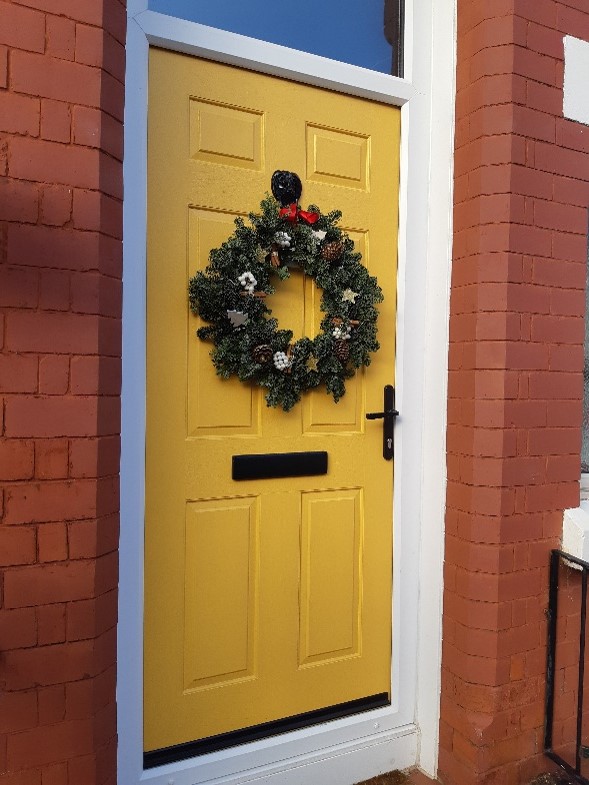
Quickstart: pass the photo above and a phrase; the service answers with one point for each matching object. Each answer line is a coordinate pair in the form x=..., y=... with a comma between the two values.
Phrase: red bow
x=292, y=215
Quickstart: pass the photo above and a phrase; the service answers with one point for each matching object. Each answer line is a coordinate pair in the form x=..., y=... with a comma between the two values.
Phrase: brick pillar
x=61, y=109
x=515, y=384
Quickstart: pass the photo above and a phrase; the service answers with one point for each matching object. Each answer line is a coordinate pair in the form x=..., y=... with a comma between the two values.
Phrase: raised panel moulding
x=213, y=408
x=319, y=415
x=338, y=157
x=331, y=535
x=227, y=135
x=220, y=614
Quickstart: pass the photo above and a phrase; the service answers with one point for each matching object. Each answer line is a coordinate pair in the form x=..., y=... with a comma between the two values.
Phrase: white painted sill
x=575, y=525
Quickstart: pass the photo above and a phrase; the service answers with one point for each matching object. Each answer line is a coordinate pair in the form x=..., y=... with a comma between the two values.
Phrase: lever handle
x=381, y=415
x=388, y=414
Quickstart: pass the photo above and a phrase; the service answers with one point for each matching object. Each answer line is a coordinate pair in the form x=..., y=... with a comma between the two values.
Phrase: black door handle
x=388, y=414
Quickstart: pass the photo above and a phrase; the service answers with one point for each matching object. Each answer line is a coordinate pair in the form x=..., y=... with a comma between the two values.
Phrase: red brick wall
x=515, y=384
x=61, y=109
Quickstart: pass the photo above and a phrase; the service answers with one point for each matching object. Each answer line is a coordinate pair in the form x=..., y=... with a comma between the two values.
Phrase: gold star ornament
x=312, y=364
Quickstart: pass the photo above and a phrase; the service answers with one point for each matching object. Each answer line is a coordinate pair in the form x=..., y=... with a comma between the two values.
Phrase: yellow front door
x=264, y=599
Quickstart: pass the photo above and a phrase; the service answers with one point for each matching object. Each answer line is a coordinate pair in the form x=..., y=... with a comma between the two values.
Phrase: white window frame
x=406, y=733
x=584, y=487
x=575, y=100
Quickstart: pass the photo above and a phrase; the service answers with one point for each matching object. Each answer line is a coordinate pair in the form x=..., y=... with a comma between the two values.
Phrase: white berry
x=281, y=361
x=341, y=334
x=248, y=281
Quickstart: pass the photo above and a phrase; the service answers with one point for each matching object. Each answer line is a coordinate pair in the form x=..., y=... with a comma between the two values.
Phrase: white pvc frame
x=406, y=733
x=575, y=106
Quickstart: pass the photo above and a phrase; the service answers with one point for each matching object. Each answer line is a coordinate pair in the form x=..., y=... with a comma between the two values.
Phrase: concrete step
x=414, y=777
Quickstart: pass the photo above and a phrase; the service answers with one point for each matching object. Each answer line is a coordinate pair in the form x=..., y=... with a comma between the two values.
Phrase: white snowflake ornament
x=349, y=296
x=283, y=239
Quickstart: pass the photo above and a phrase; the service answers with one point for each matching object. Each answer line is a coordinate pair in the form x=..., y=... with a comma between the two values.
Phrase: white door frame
x=406, y=733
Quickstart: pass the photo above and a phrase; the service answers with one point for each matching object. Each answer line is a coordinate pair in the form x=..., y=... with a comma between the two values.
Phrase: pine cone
x=342, y=351
x=331, y=252
x=262, y=354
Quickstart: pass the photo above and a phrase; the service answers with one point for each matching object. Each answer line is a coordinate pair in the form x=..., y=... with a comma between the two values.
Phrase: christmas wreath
x=232, y=292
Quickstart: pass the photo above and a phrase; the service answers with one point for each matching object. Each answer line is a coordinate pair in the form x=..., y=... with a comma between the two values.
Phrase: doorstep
x=414, y=777
x=418, y=778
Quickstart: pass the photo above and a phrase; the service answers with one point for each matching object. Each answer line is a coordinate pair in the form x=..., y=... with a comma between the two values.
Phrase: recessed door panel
x=221, y=591
x=228, y=135
x=213, y=406
x=338, y=157
x=331, y=560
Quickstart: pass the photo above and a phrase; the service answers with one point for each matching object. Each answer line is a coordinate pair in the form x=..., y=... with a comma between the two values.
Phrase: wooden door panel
x=319, y=413
x=214, y=406
x=264, y=599
x=226, y=135
x=338, y=157
x=330, y=607
x=220, y=617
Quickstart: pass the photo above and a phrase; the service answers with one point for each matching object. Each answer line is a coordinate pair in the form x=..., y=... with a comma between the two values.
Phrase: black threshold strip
x=213, y=743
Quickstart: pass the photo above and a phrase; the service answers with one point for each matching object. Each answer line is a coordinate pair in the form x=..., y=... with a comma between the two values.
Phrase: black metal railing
x=568, y=574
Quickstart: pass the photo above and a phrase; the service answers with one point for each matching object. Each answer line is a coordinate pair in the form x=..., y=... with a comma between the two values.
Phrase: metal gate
x=566, y=736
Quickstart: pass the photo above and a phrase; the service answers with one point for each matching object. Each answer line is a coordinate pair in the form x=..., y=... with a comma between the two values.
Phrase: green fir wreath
x=232, y=292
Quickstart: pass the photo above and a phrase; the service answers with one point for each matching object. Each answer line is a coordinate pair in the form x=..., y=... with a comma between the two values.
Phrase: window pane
x=353, y=32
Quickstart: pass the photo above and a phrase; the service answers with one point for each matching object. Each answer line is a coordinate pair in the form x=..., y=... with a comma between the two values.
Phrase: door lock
x=388, y=414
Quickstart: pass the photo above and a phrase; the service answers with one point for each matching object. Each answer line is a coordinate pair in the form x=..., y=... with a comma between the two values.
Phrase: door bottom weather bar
x=191, y=749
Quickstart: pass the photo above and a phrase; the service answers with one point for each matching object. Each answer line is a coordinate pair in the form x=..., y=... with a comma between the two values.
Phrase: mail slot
x=268, y=466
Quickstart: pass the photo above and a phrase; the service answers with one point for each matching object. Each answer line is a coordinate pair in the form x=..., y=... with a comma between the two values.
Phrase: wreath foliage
x=231, y=295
